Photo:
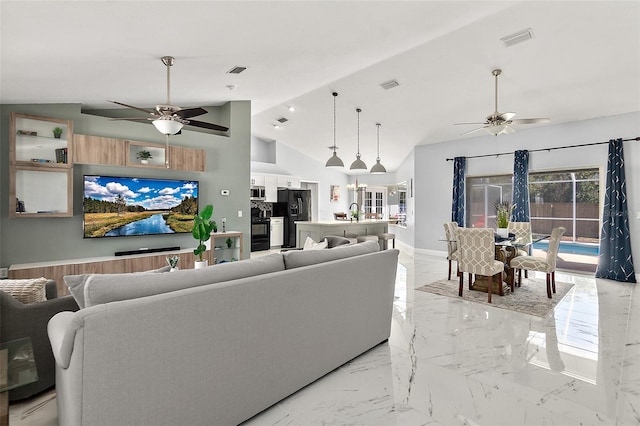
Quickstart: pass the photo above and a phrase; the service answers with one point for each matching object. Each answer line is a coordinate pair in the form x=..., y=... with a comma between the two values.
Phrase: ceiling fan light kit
x=378, y=168
x=169, y=119
x=500, y=123
x=167, y=126
x=358, y=164
x=334, y=160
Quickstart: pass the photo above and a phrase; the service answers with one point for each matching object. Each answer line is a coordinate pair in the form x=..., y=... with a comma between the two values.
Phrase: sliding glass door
x=557, y=198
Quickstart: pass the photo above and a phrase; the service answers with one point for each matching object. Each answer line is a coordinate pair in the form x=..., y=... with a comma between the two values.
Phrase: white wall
x=434, y=175
x=294, y=163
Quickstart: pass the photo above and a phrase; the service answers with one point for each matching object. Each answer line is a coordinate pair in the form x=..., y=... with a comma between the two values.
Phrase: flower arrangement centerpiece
x=503, y=212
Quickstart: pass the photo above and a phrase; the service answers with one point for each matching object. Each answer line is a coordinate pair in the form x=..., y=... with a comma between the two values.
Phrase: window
x=374, y=202
x=558, y=198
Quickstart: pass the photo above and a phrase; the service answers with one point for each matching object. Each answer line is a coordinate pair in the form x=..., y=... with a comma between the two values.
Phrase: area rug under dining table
x=531, y=298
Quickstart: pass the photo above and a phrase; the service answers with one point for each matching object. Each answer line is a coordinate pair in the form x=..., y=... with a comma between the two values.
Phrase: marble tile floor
x=452, y=362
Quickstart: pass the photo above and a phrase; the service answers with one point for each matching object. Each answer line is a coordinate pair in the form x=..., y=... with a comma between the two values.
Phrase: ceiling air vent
x=236, y=70
x=389, y=84
x=518, y=37
x=282, y=120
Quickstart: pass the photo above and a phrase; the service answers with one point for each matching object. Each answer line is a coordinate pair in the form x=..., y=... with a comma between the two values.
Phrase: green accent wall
x=28, y=240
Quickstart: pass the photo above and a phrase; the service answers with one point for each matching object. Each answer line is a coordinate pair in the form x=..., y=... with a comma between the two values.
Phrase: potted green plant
x=503, y=212
x=229, y=242
x=215, y=226
x=144, y=156
x=57, y=132
x=202, y=227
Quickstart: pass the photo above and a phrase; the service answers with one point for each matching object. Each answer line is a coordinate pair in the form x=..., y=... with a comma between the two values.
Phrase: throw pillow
x=76, y=283
x=309, y=244
x=26, y=291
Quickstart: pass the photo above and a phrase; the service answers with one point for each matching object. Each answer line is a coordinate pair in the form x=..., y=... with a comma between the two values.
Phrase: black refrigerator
x=297, y=207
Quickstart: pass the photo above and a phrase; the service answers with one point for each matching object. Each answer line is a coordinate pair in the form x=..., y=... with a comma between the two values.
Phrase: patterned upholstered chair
x=450, y=232
x=522, y=231
x=476, y=255
x=547, y=265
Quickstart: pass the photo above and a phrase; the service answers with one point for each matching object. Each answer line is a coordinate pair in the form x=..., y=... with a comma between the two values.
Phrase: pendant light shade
x=334, y=160
x=378, y=168
x=358, y=164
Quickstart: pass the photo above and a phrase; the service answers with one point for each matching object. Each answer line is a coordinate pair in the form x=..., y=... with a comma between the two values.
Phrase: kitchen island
x=317, y=230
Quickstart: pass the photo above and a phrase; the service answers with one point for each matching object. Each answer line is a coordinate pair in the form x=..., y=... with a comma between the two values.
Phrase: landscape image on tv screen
x=124, y=206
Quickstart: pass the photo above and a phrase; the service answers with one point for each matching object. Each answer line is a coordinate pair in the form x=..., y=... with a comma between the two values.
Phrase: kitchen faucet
x=357, y=211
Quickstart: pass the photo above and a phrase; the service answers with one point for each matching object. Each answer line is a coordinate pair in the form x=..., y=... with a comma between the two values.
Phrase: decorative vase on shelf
x=199, y=264
x=173, y=262
x=144, y=161
x=503, y=232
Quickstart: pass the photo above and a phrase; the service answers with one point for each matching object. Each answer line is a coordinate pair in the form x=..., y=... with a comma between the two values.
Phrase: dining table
x=506, y=249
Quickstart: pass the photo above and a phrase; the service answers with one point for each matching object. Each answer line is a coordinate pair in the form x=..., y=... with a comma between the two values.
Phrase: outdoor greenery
x=558, y=187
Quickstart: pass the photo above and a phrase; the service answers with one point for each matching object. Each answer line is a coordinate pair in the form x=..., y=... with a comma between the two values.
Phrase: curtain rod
x=547, y=149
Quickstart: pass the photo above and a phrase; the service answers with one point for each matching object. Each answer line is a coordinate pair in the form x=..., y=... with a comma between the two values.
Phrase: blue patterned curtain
x=615, y=261
x=520, y=195
x=457, y=207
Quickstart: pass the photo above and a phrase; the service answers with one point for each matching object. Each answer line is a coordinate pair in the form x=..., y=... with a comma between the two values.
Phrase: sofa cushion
x=309, y=244
x=25, y=290
x=76, y=283
x=296, y=259
x=104, y=288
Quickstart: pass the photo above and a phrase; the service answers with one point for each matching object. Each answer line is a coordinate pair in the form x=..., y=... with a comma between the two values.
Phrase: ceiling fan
x=169, y=119
x=500, y=123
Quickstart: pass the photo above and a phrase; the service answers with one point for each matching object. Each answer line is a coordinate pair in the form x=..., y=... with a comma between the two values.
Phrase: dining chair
x=546, y=264
x=522, y=232
x=450, y=232
x=476, y=255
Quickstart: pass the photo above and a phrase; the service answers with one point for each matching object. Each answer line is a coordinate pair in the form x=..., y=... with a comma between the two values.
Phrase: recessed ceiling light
x=291, y=108
x=276, y=126
x=236, y=70
x=519, y=37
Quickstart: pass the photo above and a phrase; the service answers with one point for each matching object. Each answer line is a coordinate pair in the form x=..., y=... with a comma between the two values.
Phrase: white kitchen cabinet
x=257, y=180
x=290, y=182
x=277, y=231
x=271, y=188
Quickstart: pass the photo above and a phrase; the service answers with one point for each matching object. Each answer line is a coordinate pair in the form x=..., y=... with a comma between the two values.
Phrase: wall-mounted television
x=116, y=206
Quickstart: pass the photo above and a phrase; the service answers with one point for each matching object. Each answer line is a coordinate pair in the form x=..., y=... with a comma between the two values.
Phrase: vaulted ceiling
x=583, y=62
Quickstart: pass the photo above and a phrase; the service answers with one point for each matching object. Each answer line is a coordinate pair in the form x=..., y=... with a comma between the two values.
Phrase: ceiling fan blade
x=131, y=119
x=190, y=112
x=473, y=131
x=209, y=126
x=506, y=116
x=477, y=124
x=530, y=120
x=134, y=107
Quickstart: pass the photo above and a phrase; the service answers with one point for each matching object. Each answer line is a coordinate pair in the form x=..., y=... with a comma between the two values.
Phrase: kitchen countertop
x=342, y=222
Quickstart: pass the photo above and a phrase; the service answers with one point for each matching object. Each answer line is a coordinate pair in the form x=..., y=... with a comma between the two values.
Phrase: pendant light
x=358, y=164
x=334, y=160
x=378, y=169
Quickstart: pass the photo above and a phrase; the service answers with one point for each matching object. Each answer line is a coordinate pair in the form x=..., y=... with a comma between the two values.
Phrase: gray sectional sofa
x=216, y=346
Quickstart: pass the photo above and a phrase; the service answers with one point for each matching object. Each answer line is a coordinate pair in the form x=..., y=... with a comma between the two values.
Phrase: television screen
x=116, y=206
